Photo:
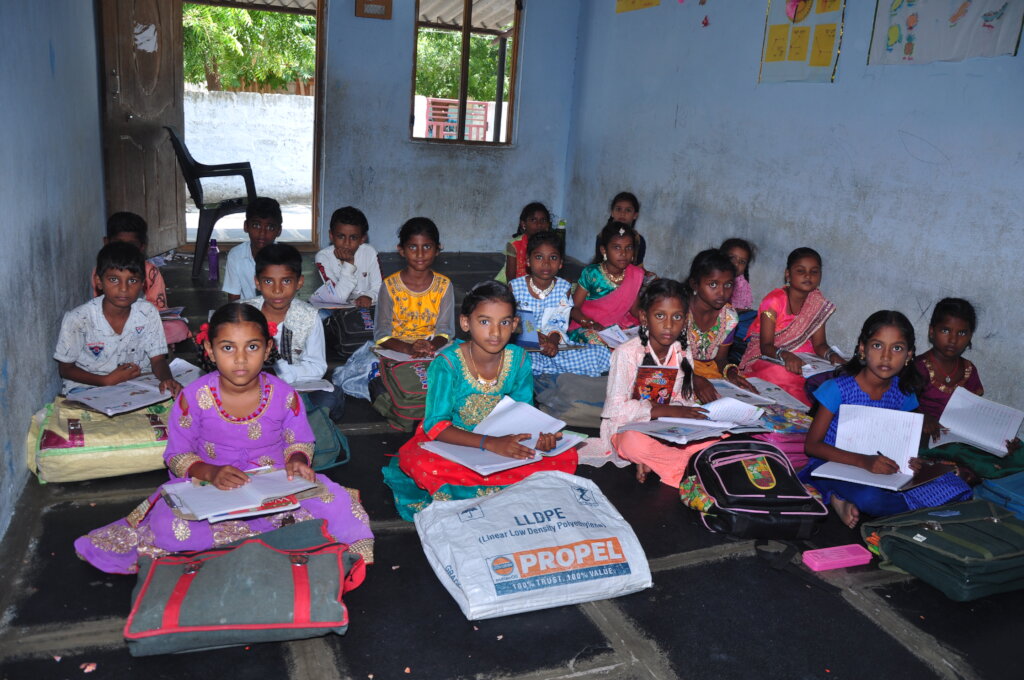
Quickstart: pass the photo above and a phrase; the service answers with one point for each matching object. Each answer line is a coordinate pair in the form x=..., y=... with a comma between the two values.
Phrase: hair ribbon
x=203, y=335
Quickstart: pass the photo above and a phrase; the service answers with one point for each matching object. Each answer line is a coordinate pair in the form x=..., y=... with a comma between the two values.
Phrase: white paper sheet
x=205, y=501
x=852, y=473
x=733, y=410
x=870, y=430
x=980, y=422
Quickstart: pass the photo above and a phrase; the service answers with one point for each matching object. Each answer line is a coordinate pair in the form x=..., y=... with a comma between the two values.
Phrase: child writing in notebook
x=416, y=307
x=221, y=426
x=608, y=288
x=131, y=228
x=741, y=253
x=880, y=374
x=944, y=368
x=631, y=397
x=350, y=263
x=465, y=382
x=533, y=218
x=542, y=292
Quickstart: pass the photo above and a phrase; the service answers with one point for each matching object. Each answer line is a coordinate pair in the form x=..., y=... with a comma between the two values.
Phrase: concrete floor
x=717, y=609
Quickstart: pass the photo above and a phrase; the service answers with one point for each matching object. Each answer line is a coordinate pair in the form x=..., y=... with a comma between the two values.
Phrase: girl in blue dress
x=881, y=374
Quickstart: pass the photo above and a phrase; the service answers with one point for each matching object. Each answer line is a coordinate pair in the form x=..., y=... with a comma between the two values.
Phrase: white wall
x=474, y=193
x=908, y=179
x=51, y=188
x=274, y=132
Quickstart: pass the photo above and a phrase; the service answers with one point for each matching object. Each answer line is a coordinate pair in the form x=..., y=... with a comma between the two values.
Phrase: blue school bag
x=1007, y=492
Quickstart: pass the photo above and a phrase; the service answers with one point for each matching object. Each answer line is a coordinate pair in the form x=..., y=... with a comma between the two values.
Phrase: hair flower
x=203, y=335
x=272, y=327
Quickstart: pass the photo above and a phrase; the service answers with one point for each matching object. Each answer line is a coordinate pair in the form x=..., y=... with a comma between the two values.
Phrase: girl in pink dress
x=222, y=425
x=630, y=398
x=790, y=320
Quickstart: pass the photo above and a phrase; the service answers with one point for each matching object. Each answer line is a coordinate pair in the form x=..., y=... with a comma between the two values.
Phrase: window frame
x=467, y=32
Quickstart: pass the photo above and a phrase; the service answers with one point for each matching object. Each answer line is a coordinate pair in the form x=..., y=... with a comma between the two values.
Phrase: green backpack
x=400, y=393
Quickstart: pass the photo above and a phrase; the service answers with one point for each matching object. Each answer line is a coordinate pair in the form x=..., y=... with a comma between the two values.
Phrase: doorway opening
x=250, y=94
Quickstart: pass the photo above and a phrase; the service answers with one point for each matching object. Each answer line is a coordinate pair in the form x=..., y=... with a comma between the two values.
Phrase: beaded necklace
x=254, y=427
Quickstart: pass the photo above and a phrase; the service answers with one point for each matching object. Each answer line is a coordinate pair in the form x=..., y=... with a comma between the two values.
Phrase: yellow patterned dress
x=455, y=397
x=409, y=316
x=200, y=430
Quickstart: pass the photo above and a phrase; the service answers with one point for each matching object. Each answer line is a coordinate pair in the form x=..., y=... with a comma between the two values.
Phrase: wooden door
x=142, y=66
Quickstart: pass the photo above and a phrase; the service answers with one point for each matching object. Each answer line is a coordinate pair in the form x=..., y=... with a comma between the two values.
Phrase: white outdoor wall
x=274, y=132
x=474, y=193
x=908, y=179
x=51, y=188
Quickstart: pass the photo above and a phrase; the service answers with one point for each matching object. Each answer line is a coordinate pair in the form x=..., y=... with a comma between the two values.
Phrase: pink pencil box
x=840, y=556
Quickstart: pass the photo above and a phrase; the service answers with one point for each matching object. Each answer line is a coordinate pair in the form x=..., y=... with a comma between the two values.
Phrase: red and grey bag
x=755, y=492
x=400, y=393
x=283, y=585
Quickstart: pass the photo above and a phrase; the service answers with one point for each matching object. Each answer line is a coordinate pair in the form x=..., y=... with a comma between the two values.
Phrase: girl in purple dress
x=228, y=422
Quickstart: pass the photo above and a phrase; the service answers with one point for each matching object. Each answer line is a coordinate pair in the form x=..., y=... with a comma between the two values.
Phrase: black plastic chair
x=209, y=213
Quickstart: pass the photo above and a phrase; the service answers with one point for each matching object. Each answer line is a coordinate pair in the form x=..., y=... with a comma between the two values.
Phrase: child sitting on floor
x=543, y=291
x=944, y=368
x=350, y=263
x=741, y=253
x=629, y=399
x=625, y=208
x=263, y=225
x=299, y=336
x=533, y=218
x=790, y=320
x=131, y=228
x=466, y=381
x=222, y=425
x=416, y=310
x=114, y=337
x=881, y=374
x=608, y=289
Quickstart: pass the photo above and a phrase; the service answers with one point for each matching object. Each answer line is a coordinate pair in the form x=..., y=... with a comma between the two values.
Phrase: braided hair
x=234, y=312
x=657, y=290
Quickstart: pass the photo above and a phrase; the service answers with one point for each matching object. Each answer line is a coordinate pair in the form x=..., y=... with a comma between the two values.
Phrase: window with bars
x=464, y=70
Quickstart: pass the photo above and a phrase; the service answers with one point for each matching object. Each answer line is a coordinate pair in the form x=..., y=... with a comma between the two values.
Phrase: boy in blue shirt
x=263, y=225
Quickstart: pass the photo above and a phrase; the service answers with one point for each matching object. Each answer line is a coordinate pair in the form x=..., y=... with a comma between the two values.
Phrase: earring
x=862, y=357
x=605, y=256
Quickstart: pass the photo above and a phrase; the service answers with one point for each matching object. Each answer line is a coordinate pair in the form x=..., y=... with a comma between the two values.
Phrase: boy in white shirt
x=300, y=334
x=350, y=263
x=263, y=225
x=114, y=337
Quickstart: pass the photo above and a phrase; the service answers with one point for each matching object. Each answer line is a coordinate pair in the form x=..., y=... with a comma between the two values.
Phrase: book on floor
x=869, y=431
x=980, y=422
x=135, y=393
x=724, y=415
x=508, y=417
x=267, y=492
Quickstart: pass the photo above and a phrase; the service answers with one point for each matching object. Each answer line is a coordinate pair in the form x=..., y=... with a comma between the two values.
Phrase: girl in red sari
x=790, y=319
x=608, y=290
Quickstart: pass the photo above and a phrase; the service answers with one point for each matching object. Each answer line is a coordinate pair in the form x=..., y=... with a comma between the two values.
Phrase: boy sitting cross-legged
x=114, y=337
x=299, y=333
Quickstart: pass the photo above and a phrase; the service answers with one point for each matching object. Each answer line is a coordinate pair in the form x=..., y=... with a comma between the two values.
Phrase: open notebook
x=979, y=422
x=135, y=393
x=508, y=417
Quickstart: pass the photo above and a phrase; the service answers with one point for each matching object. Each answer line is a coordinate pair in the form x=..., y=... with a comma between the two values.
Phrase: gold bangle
x=725, y=370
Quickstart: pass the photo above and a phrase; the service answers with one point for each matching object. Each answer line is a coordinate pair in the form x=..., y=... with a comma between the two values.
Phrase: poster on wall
x=801, y=40
x=630, y=5
x=923, y=31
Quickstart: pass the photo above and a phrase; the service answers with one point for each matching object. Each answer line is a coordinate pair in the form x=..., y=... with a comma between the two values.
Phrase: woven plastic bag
x=550, y=540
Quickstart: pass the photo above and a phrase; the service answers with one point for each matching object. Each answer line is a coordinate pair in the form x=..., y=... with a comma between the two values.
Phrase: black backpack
x=346, y=330
x=756, y=492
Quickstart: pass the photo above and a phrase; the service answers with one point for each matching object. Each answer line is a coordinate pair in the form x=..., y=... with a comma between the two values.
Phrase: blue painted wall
x=51, y=188
x=908, y=179
x=473, y=193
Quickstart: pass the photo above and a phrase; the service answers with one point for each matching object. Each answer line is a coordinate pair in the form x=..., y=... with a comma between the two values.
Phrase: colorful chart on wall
x=922, y=31
x=630, y=5
x=801, y=40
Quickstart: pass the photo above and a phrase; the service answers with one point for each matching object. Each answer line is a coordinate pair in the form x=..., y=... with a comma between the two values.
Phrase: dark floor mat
x=370, y=454
x=258, y=662
x=59, y=587
x=424, y=630
x=983, y=631
x=742, y=619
